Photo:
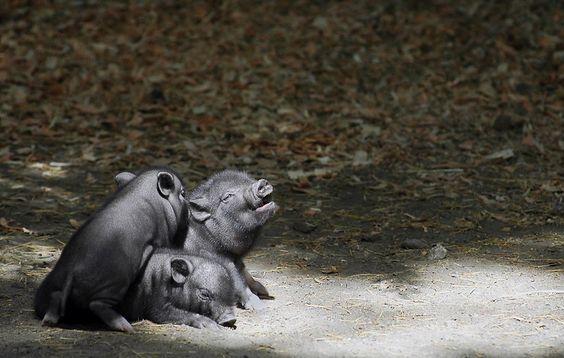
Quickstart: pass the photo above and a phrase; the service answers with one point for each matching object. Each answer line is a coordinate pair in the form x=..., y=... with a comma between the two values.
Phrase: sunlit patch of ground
x=465, y=304
x=471, y=303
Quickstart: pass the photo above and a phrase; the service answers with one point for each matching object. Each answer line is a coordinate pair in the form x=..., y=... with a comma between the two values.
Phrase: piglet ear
x=200, y=209
x=180, y=269
x=165, y=183
x=123, y=178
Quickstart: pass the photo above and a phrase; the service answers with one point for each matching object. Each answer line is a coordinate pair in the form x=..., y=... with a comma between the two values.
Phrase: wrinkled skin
x=179, y=288
x=227, y=213
x=103, y=257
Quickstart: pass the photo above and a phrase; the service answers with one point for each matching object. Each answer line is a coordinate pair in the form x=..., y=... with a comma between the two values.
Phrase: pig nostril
x=228, y=322
x=263, y=186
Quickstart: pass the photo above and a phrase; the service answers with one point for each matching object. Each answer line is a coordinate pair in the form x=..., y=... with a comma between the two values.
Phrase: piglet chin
x=268, y=206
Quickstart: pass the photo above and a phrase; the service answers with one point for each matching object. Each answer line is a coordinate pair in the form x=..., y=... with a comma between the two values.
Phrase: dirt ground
x=338, y=290
x=416, y=149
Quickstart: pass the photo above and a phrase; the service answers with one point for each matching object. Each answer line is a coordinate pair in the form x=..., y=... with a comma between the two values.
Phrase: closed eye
x=204, y=294
x=225, y=198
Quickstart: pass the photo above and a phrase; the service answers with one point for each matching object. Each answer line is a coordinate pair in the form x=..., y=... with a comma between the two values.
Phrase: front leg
x=247, y=299
x=171, y=314
x=250, y=301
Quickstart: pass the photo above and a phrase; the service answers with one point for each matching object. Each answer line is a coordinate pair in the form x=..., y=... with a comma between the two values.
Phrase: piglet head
x=233, y=207
x=169, y=186
x=206, y=288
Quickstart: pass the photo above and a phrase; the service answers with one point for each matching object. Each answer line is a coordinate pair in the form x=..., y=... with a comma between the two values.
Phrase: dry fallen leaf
x=502, y=154
x=464, y=224
x=74, y=223
x=330, y=270
x=312, y=212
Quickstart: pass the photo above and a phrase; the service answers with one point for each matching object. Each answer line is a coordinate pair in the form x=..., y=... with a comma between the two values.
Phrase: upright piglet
x=104, y=256
x=227, y=213
x=180, y=288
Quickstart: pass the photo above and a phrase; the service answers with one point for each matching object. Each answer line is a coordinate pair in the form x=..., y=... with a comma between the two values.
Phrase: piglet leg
x=109, y=316
x=171, y=314
x=53, y=313
x=250, y=301
x=57, y=303
x=256, y=287
x=198, y=321
x=246, y=299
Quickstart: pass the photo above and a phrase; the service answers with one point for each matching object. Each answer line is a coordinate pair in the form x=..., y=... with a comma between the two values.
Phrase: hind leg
x=53, y=313
x=109, y=316
x=256, y=287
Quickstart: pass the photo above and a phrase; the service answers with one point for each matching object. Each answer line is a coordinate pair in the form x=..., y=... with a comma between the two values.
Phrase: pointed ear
x=200, y=208
x=180, y=269
x=123, y=178
x=165, y=183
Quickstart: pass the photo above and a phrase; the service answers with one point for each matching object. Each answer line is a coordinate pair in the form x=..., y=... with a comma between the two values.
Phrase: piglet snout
x=262, y=188
x=228, y=321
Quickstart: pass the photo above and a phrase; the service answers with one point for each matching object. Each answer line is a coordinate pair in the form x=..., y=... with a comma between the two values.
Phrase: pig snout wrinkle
x=259, y=193
x=263, y=188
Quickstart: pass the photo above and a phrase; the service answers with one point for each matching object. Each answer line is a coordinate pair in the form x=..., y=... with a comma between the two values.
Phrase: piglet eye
x=225, y=198
x=183, y=193
x=204, y=294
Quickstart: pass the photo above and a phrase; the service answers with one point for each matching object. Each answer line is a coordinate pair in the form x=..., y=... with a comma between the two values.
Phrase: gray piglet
x=227, y=213
x=103, y=257
x=180, y=288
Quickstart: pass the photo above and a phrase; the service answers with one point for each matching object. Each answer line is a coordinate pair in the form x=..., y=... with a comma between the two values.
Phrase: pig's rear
x=43, y=294
x=57, y=280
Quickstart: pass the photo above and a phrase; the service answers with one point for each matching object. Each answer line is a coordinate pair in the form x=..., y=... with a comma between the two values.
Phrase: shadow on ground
x=333, y=258
x=356, y=224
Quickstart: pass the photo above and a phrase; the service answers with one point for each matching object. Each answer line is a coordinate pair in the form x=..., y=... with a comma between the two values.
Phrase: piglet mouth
x=265, y=204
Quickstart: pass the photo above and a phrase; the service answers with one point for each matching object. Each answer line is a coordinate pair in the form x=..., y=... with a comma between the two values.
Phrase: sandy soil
x=497, y=293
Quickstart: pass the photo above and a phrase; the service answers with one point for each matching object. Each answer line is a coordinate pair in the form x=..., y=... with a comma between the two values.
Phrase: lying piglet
x=227, y=214
x=179, y=288
x=104, y=256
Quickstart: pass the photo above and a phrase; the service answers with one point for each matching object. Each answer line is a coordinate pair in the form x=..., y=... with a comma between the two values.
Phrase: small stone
x=559, y=206
x=504, y=122
x=370, y=237
x=558, y=57
x=304, y=227
x=198, y=110
x=523, y=88
x=320, y=22
x=437, y=252
x=520, y=110
x=157, y=94
x=360, y=158
x=312, y=212
x=413, y=244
